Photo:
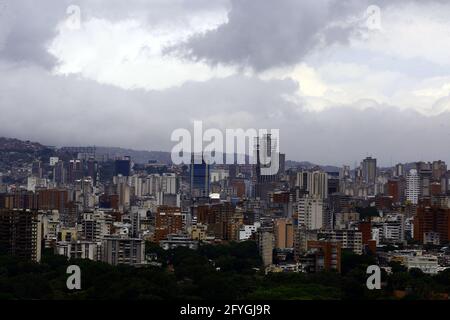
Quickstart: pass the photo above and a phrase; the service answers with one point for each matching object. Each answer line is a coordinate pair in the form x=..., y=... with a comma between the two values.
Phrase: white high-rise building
x=412, y=186
x=169, y=183
x=310, y=212
x=53, y=161
x=399, y=170
x=316, y=183
x=136, y=183
x=155, y=183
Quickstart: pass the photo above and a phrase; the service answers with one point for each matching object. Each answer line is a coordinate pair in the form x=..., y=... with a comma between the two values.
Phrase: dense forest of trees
x=212, y=272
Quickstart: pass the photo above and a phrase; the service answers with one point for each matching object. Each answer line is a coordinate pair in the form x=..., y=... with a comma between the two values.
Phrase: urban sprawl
x=85, y=206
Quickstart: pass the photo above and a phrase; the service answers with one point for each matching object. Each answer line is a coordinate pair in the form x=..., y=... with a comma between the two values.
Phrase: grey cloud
x=28, y=26
x=264, y=34
x=68, y=111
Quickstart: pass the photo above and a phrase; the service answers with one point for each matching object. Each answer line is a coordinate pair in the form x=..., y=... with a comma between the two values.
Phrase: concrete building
x=95, y=225
x=412, y=186
x=79, y=250
x=349, y=239
x=310, y=211
x=432, y=219
x=322, y=256
x=21, y=234
x=284, y=233
x=315, y=183
x=178, y=240
x=426, y=263
x=247, y=230
x=265, y=244
x=369, y=170
x=122, y=250
x=168, y=220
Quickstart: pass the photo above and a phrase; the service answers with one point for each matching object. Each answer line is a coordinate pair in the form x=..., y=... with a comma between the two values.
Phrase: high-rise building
x=221, y=217
x=323, y=256
x=169, y=183
x=314, y=182
x=123, y=190
x=267, y=158
x=20, y=234
x=432, y=219
x=284, y=233
x=265, y=244
x=393, y=189
x=425, y=175
x=36, y=169
x=349, y=239
x=94, y=226
x=122, y=167
x=59, y=173
x=75, y=171
x=121, y=250
x=53, y=199
x=168, y=220
x=200, y=176
x=310, y=211
x=92, y=170
x=267, y=169
x=399, y=170
x=439, y=168
x=344, y=172
x=412, y=186
x=369, y=170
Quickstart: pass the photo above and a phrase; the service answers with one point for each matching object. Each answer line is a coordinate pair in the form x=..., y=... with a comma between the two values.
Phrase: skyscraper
x=122, y=167
x=425, y=172
x=310, y=212
x=369, y=170
x=75, y=171
x=412, y=186
x=267, y=158
x=315, y=183
x=20, y=234
x=59, y=173
x=431, y=219
x=284, y=233
x=199, y=172
x=399, y=170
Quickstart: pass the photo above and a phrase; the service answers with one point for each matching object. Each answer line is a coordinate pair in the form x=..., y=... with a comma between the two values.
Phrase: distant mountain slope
x=308, y=165
x=18, y=153
x=137, y=156
x=16, y=145
x=13, y=150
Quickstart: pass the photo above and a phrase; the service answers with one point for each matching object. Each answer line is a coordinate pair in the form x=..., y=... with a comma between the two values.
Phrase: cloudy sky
x=341, y=79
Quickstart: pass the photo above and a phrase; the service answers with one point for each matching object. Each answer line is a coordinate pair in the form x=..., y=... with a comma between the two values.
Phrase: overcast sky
x=338, y=82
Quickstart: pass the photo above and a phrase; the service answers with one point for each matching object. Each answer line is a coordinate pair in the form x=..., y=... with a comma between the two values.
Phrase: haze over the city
x=340, y=83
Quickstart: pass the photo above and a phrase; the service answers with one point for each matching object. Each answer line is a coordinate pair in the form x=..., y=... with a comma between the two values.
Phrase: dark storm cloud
x=264, y=34
x=26, y=28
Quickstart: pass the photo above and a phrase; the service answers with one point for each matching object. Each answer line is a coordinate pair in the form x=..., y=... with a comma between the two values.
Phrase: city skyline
x=356, y=163
x=216, y=158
